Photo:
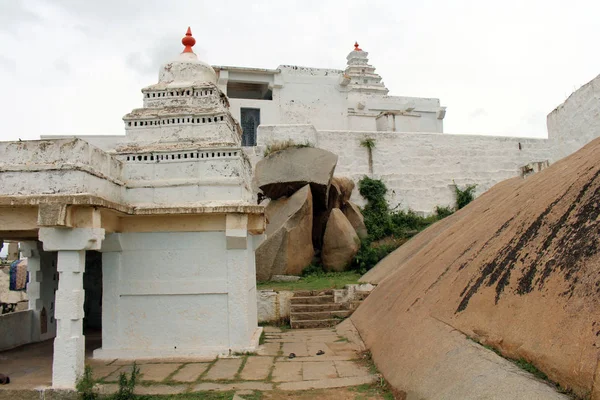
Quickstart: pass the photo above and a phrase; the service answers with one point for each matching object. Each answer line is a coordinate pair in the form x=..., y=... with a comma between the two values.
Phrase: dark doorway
x=250, y=121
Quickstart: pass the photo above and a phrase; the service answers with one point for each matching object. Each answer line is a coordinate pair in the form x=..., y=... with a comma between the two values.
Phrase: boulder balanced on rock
x=303, y=192
x=284, y=172
x=288, y=247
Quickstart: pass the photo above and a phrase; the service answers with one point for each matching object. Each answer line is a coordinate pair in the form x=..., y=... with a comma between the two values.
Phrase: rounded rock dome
x=187, y=68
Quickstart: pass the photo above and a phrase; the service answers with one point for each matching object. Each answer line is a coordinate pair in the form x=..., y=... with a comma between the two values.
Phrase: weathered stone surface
x=356, y=219
x=315, y=370
x=284, y=172
x=257, y=368
x=287, y=372
x=329, y=383
x=224, y=368
x=288, y=248
x=190, y=372
x=340, y=242
x=516, y=269
x=344, y=186
x=157, y=372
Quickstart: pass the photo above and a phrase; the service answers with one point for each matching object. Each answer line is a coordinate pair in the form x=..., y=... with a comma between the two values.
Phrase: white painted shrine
x=171, y=210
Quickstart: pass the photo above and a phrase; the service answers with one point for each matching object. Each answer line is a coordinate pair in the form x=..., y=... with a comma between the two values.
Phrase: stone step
x=312, y=300
x=317, y=307
x=307, y=293
x=321, y=323
x=354, y=304
x=362, y=295
x=305, y=316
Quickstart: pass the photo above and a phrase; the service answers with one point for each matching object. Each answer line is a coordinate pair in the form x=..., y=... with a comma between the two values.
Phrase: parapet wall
x=419, y=169
x=576, y=122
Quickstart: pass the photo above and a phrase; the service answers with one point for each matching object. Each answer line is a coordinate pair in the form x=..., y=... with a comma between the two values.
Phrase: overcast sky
x=76, y=67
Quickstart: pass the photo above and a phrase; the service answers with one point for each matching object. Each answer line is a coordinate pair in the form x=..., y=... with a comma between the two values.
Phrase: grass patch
x=315, y=281
x=285, y=144
x=381, y=386
x=262, y=338
x=212, y=395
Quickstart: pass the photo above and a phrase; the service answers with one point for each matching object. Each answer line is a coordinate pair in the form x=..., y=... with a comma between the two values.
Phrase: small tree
x=464, y=196
x=127, y=386
x=369, y=144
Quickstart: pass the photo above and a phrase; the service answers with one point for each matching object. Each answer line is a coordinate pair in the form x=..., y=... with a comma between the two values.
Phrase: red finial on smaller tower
x=356, y=48
x=188, y=41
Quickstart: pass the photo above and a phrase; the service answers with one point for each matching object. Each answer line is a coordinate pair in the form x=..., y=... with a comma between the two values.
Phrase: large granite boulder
x=517, y=269
x=288, y=248
x=352, y=212
x=344, y=187
x=284, y=172
x=340, y=242
x=340, y=191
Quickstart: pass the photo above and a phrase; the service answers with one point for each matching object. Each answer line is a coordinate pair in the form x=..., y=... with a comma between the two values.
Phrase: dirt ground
x=353, y=393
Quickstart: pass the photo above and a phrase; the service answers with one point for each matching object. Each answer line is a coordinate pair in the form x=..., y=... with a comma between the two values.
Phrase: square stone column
x=69, y=344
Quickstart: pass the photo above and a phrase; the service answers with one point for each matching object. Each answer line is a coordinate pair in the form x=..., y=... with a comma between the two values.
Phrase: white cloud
x=76, y=67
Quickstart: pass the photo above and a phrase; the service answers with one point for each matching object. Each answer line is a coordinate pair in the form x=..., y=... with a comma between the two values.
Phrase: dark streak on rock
x=579, y=241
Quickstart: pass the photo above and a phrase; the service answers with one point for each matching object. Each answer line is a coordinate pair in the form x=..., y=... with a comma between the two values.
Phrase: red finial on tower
x=188, y=41
x=356, y=48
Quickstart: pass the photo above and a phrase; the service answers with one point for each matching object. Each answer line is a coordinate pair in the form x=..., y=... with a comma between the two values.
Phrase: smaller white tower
x=360, y=76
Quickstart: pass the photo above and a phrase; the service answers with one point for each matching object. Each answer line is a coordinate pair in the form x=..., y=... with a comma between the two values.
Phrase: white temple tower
x=170, y=208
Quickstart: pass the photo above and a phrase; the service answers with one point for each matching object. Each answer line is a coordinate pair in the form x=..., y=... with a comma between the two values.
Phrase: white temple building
x=164, y=220
x=353, y=99
x=171, y=210
x=337, y=110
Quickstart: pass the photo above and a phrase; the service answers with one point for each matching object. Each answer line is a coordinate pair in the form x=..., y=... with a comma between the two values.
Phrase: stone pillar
x=69, y=344
x=34, y=286
x=111, y=265
x=236, y=231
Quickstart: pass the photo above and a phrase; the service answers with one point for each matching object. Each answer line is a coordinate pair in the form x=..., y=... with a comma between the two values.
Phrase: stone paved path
x=271, y=368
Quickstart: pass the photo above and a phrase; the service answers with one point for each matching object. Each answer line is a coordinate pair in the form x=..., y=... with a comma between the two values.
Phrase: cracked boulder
x=356, y=219
x=288, y=248
x=340, y=242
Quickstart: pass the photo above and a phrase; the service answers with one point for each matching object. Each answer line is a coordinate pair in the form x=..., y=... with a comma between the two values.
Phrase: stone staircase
x=318, y=309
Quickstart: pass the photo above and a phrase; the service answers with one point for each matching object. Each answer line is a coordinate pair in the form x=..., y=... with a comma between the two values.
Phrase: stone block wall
x=575, y=122
x=419, y=169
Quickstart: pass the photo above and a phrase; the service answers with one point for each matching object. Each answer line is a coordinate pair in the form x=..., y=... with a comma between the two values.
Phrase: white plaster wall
x=103, y=142
x=303, y=95
x=168, y=294
x=575, y=122
x=15, y=329
x=419, y=168
x=312, y=96
x=61, y=166
x=273, y=305
x=222, y=132
x=269, y=109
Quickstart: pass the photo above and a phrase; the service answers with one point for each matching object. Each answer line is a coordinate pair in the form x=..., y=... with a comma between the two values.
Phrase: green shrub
x=85, y=385
x=382, y=222
x=127, y=386
x=368, y=256
x=443, y=212
x=313, y=270
x=464, y=196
